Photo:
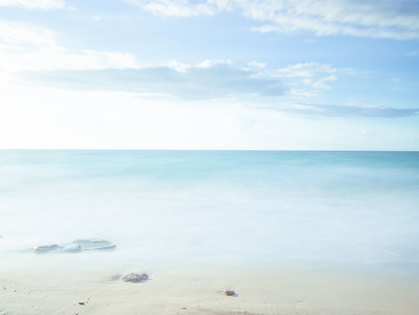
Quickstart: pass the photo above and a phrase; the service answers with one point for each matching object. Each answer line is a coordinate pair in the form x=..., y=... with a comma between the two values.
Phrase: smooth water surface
x=217, y=207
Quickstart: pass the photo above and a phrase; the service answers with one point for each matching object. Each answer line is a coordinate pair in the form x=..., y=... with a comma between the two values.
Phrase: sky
x=209, y=74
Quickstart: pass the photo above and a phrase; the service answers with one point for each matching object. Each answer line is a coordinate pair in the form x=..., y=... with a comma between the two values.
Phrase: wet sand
x=42, y=287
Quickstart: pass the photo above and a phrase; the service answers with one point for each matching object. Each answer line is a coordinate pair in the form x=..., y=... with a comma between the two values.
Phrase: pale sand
x=45, y=288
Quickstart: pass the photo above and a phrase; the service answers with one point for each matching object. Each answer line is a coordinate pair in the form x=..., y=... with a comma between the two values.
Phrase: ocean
x=215, y=208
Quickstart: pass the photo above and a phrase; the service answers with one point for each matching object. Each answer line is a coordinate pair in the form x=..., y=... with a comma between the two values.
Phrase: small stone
x=134, y=277
x=229, y=292
x=81, y=303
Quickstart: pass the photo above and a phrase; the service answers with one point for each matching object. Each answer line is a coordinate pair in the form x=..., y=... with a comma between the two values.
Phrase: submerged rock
x=229, y=292
x=72, y=248
x=43, y=249
x=94, y=244
x=108, y=247
x=76, y=246
x=90, y=241
x=134, y=277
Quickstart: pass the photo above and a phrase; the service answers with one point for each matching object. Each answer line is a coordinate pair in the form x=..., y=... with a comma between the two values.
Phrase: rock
x=229, y=292
x=109, y=247
x=76, y=246
x=43, y=249
x=81, y=303
x=94, y=244
x=134, y=277
x=72, y=248
x=55, y=248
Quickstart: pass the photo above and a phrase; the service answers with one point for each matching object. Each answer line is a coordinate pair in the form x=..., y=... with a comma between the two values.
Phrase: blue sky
x=210, y=74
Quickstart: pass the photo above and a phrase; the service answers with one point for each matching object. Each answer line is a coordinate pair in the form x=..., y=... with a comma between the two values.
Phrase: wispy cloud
x=320, y=84
x=312, y=74
x=346, y=110
x=178, y=8
x=34, y=4
x=368, y=18
x=28, y=47
x=17, y=34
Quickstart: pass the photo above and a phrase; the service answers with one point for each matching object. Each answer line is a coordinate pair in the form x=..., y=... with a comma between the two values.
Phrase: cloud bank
x=207, y=80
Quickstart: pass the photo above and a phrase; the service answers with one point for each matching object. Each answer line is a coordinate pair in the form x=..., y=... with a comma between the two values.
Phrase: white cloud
x=207, y=63
x=178, y=66
x=396, y=80
x=34, y=4
x=256, y=64
x=320, y=84
x=26, y=47
x=368, y=18
x=310, y=69
x=414, y=53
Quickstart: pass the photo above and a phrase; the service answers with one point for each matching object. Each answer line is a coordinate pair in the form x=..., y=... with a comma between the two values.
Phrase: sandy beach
x=49, y=287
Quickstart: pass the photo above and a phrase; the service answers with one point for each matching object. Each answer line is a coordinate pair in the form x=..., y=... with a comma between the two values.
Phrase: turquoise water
x=217, y=207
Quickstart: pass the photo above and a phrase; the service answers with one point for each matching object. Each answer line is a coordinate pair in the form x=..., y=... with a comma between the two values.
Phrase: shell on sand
x=229, y=292
x=134, y=277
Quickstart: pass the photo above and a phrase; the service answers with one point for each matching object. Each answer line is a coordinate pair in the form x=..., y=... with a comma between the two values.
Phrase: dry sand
x=48, y=288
